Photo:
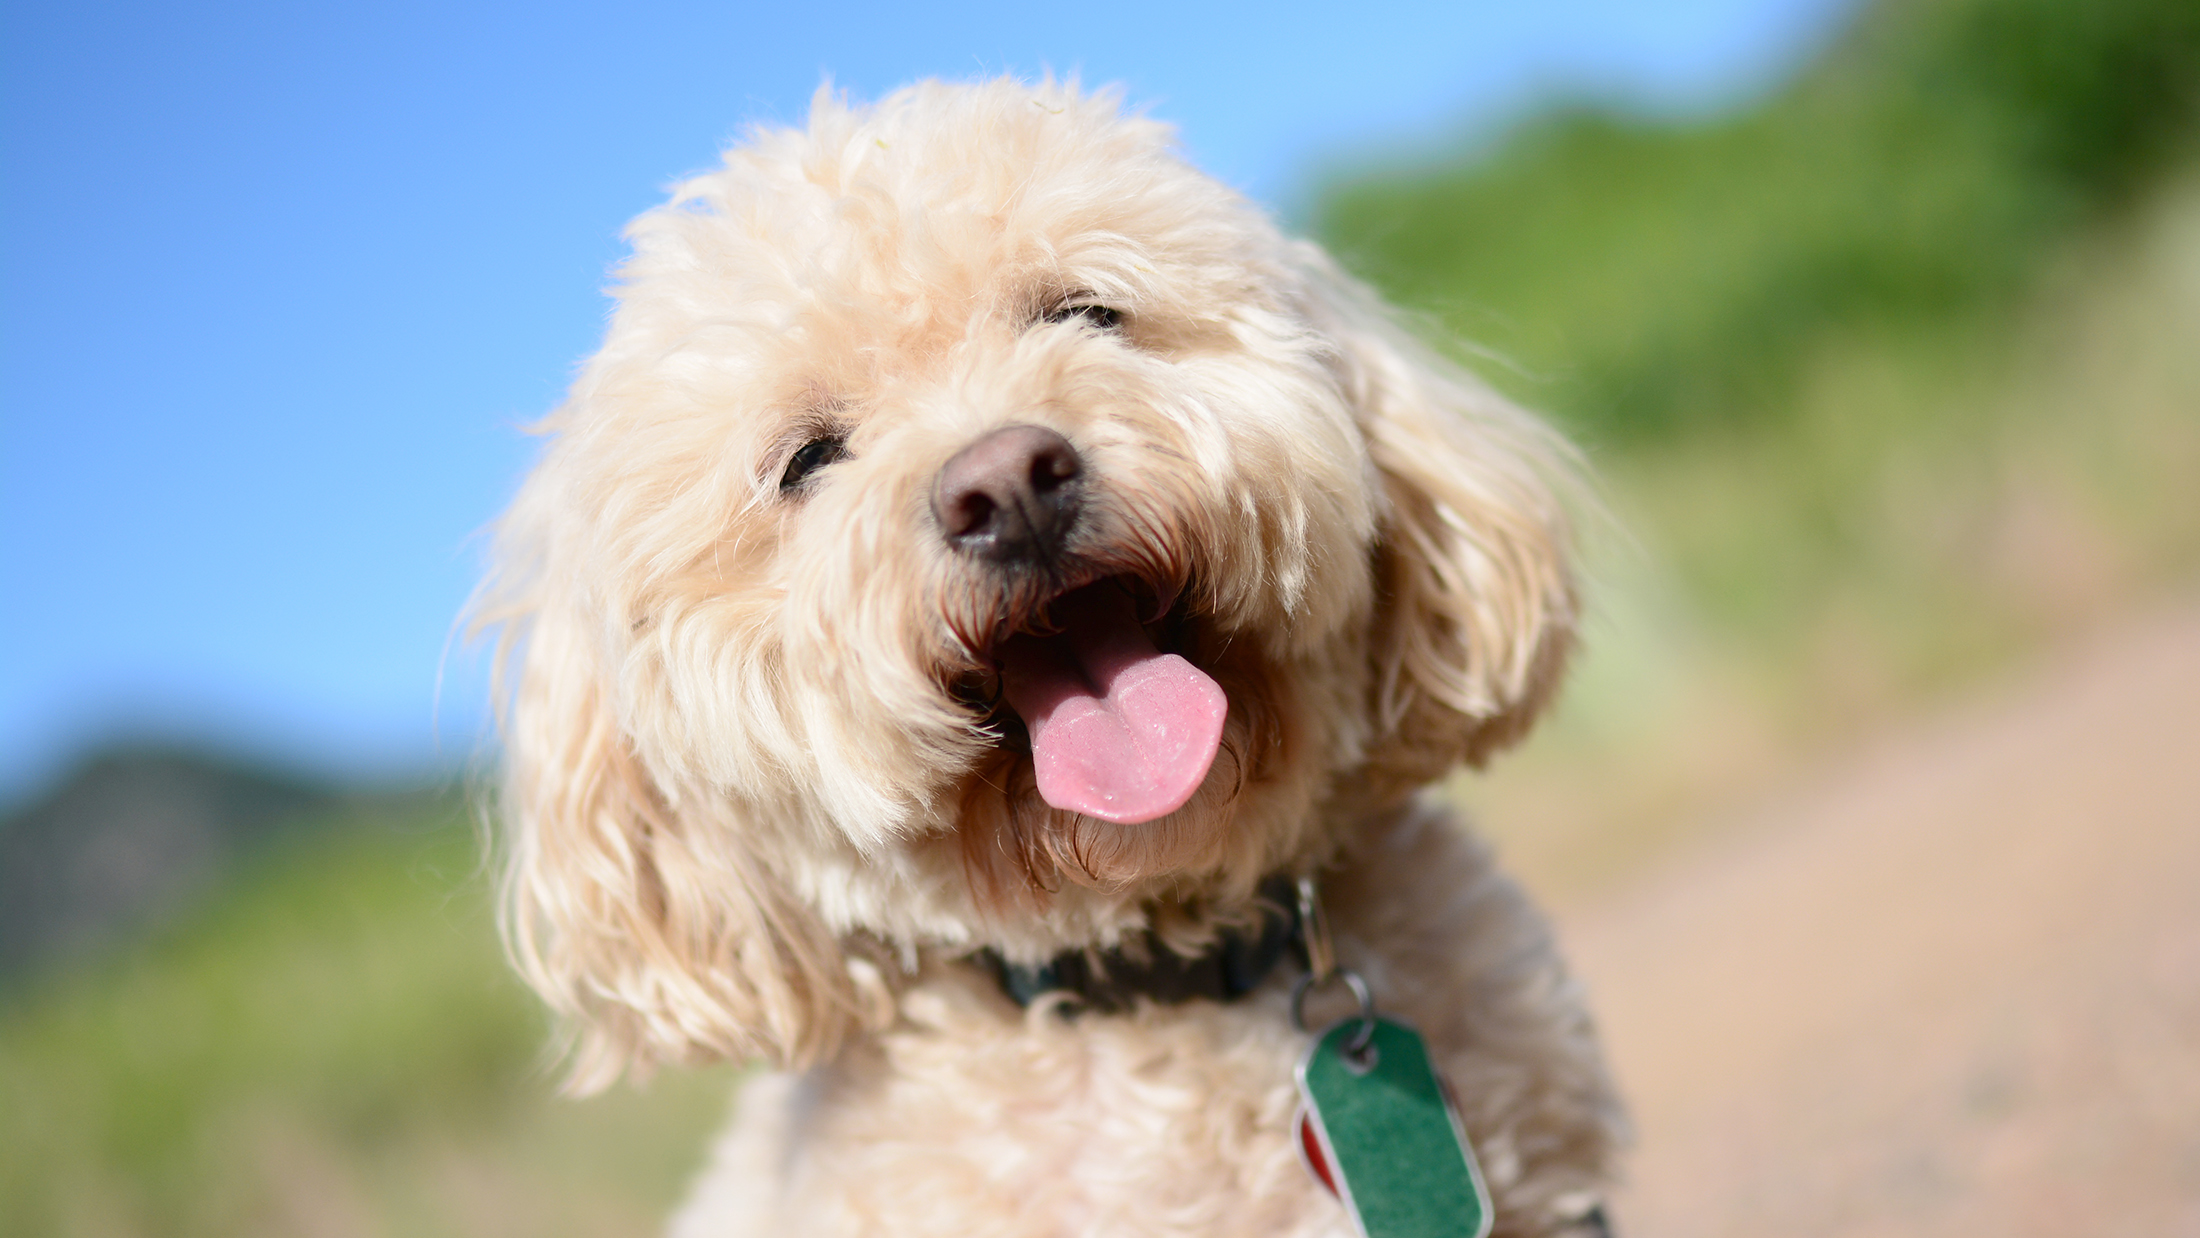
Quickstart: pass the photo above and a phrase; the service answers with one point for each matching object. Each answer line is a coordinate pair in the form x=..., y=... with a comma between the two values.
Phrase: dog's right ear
x=644, y=918
x=1473, y=555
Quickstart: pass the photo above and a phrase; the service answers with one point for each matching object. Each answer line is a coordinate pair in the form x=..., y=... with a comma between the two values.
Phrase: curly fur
x=754, y=809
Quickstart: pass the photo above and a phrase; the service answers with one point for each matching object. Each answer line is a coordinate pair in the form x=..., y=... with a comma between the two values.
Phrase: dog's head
x=979, y=528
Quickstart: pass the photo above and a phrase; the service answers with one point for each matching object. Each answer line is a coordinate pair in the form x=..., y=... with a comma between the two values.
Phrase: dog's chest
x=1168, y=1121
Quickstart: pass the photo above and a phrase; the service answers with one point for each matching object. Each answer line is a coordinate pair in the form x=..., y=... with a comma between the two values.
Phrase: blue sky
x=280, y=283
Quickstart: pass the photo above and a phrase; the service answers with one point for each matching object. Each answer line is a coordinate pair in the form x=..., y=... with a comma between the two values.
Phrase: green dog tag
x=1380, y=1132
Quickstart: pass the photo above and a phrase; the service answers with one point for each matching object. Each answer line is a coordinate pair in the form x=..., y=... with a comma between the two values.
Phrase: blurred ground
x=1951, y=989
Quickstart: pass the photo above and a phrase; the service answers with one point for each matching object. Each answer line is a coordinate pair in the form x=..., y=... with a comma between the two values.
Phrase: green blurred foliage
x=1891, y=378
x=334, y=1044
x=1649, y=280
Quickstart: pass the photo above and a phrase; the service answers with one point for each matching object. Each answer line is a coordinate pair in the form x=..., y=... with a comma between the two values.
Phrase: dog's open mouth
x=1119, y=729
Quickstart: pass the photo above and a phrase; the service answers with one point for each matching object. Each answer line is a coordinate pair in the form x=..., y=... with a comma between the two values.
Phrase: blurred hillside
x=1890, y=378
x=307, y=1028
x=133, y=835
x=1905, y=194
x=1893, y=379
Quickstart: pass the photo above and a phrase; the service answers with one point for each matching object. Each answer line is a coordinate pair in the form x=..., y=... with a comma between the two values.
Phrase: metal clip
x=1321, y=957
x=1321, y=968
x=1314, y=931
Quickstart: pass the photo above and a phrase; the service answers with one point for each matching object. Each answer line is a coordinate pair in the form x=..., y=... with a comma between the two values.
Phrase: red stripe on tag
x=1311, y=1145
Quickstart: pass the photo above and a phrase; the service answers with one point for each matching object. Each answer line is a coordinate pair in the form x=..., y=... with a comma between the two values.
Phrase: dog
x=986, y=570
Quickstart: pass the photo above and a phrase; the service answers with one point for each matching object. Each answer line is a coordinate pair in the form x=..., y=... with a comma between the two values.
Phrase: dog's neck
x=1233, y=964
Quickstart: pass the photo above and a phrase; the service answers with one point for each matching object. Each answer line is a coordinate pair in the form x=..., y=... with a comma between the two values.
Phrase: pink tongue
x=1119, y=730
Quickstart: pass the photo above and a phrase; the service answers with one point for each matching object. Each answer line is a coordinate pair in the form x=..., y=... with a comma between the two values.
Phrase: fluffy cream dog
x=983, y=540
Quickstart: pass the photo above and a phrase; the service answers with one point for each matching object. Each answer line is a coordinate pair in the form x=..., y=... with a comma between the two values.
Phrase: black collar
x=1110, y=981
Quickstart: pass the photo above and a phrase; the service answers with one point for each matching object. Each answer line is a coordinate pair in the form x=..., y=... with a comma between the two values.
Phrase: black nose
x=1010, y=497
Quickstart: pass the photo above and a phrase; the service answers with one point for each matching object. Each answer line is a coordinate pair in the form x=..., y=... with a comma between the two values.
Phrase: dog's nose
x=1011, y=496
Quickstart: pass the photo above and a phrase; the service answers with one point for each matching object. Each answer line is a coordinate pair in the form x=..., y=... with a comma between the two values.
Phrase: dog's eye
x=807, y=459
x=1099, y=317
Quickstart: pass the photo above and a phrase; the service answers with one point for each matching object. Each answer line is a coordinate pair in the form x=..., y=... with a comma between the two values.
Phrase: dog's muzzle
x=1120, y=729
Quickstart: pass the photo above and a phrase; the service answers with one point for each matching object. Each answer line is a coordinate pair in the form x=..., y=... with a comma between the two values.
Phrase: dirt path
x=1952, y=990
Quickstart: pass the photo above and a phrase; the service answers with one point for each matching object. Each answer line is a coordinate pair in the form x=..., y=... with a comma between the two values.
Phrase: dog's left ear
x=1473, y=558
x=641, y=909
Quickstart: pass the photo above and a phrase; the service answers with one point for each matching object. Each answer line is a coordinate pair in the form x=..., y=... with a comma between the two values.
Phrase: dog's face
x=977, y=528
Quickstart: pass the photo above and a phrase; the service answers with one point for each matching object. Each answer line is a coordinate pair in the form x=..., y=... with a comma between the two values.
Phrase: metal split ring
x=1359, y=1042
